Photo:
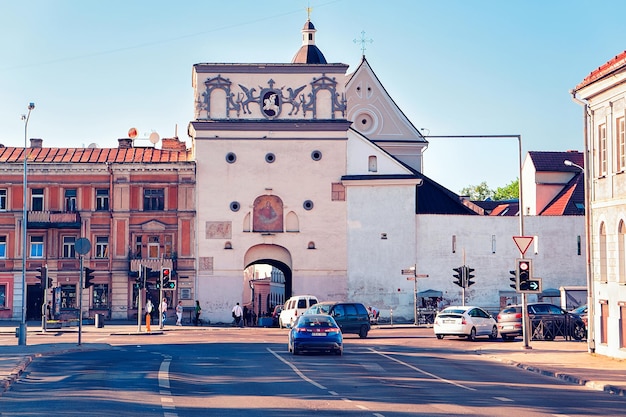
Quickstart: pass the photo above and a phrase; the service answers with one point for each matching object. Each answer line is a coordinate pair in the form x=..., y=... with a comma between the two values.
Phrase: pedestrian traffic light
x=513, y=279
x=88, y=277
x=458, y=277
x=49, y=280
x=524, y=273
x=166, y=274
x=469, y=276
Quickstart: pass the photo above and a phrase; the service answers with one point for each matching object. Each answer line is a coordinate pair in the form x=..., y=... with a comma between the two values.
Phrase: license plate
x=448, y=321
x=318, y=334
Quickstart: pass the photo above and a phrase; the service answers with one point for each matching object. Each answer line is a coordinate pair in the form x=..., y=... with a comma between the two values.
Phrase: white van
x=293, y=308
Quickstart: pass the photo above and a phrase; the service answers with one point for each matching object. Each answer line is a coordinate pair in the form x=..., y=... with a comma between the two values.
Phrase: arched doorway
x=267, y=279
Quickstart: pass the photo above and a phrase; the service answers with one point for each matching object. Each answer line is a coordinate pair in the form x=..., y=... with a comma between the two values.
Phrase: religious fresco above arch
x=267, y=214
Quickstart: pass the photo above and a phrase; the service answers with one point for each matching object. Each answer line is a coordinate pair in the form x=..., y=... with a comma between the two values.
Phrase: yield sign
x=523, y=242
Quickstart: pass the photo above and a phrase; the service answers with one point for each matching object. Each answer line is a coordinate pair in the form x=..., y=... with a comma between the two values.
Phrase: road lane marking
x=297, y=371
x=320, y=386
x=408, y=365
x=504, y=399
x=167, y=402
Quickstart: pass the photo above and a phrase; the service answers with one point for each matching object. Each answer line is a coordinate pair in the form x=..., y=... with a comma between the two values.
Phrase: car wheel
x=339, y=352
x=294, y=350
x=363, y=332
x=472, y=335
x=578, y=332
x=494, y=333
x=439, y=336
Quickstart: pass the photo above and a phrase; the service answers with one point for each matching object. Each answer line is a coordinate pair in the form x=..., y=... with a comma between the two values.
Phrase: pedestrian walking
x=163, y=312
x=237, y=315
x=179, y=313
x=198, y=310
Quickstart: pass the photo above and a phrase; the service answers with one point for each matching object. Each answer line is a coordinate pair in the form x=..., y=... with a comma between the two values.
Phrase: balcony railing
x=53, y=219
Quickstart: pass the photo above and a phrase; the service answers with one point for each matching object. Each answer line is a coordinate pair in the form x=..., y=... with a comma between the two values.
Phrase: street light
x=22, y=331
x=591, y=339
x=525, y=321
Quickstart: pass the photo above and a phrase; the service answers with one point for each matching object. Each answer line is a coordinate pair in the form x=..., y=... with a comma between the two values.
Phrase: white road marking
x=167, y=402
x=438, y=378
x=504, y=399
x=297, y=371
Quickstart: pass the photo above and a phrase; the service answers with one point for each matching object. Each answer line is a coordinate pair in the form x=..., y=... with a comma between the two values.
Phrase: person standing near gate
x=198, y=311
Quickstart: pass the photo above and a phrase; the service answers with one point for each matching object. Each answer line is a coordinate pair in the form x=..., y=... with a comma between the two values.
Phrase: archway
x=267, y=278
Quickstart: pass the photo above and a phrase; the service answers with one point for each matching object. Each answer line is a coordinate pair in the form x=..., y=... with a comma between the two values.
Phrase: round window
x=231, y=157
x=316, y=155
x=235, y=206
x=270, y=158
x=308, y=205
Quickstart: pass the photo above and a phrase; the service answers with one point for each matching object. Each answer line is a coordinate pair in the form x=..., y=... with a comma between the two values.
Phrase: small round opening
x=231, y=157
x=270, y=158
x=308, y=205
x=316, y=155
x=235, y=206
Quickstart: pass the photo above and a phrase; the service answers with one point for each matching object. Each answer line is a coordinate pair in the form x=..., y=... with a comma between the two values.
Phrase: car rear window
x=511, y=310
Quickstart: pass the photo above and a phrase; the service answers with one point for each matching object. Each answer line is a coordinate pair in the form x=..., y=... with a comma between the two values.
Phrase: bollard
x=148, y=319
x=391, y=316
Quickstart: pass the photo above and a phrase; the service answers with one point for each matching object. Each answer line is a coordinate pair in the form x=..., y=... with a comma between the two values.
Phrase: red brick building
x=135, y=205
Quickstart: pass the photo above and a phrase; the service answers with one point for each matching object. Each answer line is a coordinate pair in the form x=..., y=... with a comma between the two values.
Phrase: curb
x=5, y=384
x=598, y=386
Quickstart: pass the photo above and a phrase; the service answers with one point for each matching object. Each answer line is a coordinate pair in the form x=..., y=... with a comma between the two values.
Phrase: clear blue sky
x=455, y=67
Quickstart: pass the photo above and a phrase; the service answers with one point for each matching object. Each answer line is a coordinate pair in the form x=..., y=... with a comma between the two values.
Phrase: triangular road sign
x=523, y=243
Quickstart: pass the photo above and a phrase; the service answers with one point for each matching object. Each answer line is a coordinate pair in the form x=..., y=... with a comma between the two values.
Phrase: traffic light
x=42, y=276
x=166, y=275
x=49, y=280
x=513, y=279
x=469, y=276
x=88, y=277
x=458, y=277
x=524, y=273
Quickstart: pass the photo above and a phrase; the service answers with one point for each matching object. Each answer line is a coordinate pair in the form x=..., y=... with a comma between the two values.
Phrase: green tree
x=508, y=192
x=478, y=192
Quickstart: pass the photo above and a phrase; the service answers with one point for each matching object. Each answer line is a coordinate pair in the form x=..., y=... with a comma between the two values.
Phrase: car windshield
x=453, y=311
x=319, y=309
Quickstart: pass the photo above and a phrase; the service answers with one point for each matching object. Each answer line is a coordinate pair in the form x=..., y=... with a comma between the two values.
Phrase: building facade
x=135, y=206
x=602, y=95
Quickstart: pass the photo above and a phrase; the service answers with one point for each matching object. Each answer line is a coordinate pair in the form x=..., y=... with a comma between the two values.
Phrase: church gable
x=365, y=157
x=373, y=111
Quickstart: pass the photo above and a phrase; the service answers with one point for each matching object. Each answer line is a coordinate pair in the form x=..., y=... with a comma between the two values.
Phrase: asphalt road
x=234, y=372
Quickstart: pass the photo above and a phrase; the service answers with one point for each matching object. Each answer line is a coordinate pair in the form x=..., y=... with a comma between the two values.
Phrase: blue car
x=315, y=333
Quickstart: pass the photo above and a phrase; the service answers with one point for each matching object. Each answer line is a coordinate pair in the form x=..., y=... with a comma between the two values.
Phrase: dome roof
x=309, y=54
x=308, y=25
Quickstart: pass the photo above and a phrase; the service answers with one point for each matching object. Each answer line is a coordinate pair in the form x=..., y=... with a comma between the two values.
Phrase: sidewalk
x=565, y=360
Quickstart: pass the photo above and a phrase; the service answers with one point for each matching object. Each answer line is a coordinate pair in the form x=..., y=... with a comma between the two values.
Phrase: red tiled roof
x=569, y=201
x=93, y=155
x=619, y=61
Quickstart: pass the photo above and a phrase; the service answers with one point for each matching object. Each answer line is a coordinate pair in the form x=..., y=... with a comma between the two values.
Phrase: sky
x=94, y=69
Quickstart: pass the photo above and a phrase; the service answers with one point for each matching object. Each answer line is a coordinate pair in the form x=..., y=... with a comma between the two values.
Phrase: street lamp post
x=591, y=341
x=22, y=330
x=525, y=321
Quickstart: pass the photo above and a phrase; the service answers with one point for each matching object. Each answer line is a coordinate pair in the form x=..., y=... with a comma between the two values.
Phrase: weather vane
x=363, y=41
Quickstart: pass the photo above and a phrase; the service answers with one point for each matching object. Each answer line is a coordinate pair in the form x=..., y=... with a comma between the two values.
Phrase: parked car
x=468, y=321
x=315, y=332
x=581, y=311
x=293, y=308
x=276, y=314
x=351, y=317
x=547, y=322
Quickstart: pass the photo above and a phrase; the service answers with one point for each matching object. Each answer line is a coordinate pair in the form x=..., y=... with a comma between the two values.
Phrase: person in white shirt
x=163, y=311
x=179, y=313
x=238, y=315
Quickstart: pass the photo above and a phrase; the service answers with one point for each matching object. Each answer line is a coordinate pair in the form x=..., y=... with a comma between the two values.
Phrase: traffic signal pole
x=80, y=300
x=139, y=305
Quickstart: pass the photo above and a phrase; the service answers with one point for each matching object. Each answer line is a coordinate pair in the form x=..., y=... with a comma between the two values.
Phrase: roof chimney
x=125, y=143
x=172, y=144
x=36, y=143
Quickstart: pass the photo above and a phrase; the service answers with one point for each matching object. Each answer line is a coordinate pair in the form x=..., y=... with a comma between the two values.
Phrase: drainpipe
x=591, y=336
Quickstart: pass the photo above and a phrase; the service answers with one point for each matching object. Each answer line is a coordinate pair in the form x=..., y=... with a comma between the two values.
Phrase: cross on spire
x=363, y=41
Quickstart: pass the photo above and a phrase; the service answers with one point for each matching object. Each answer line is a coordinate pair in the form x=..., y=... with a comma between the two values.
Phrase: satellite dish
x=92, y=145
x=132, y=133
x=154, y=138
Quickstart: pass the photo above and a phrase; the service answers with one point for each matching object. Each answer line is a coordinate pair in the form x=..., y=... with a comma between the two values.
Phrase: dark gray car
x=351, y=317
x=548, y=321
